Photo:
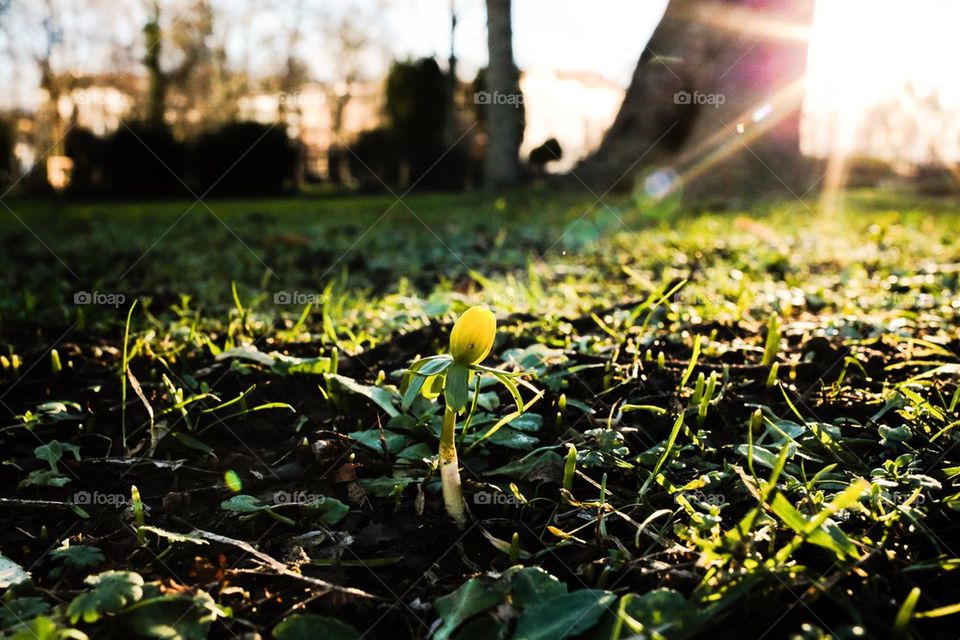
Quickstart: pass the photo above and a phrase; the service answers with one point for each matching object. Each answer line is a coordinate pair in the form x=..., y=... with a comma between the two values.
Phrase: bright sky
x=898, y=53
x=605, y=36
x=862, y=52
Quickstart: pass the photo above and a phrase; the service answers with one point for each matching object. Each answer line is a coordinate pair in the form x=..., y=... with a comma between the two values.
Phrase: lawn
x=735, y=424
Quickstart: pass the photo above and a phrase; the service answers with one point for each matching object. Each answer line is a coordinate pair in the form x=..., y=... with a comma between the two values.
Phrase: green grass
x=748, y=423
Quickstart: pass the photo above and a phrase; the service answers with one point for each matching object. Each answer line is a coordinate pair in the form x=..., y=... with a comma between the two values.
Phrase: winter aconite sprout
x=471, y=341
x=472, y=336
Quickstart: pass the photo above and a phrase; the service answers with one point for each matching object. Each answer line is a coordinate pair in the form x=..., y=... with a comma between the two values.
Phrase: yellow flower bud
x=472, y=335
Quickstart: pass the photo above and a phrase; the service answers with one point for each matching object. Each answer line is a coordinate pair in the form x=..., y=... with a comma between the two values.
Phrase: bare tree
x=349, y=37
x=173, y=49
x=717, y=92
x=46, y=35
x=504, y=118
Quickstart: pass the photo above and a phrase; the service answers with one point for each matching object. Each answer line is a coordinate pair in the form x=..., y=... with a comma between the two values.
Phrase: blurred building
x=99, y=103
x=320, y=116
x=576, y=108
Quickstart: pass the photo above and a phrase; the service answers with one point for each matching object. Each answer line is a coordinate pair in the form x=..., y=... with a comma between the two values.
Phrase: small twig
x=34, y=504
x=278, y=566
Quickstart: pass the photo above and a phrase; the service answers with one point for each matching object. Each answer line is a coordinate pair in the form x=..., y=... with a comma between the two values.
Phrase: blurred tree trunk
x=716, y=96
x=156, y=78
x=451, y=125
x=187, y=32
x=504, y=119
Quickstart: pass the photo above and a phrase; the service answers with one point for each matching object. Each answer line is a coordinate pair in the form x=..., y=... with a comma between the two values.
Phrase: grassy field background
x=762, y=407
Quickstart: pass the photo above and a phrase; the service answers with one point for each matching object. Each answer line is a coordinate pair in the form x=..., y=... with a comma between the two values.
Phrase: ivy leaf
x=112, y=591
x=371, y=438
x=330, y=510
x=485, y=627
x=243, y=503
x=563, y=616
x=664, y=610
x=546, y=465
x=43, y=478
x=309, y=626
x=54, y=450
x=532, y=586
x=471, y=598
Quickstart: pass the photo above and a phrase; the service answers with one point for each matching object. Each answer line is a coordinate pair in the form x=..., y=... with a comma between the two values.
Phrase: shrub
x=88, y=152
x=141, y=158
x=244, y=157
x=7, y=161
x=411, y=148
x=548, y=152
x=374, y=159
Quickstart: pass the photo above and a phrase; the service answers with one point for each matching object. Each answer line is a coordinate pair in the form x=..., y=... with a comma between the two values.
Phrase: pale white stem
x=450, y=471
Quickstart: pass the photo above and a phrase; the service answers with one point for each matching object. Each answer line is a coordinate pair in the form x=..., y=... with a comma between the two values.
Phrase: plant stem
x=450, y=470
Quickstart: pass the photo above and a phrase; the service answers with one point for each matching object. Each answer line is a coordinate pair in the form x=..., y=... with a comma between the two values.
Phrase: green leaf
x=379, y=396
x=532, y=586
x=330, y=510
x=543, y=465
x=54, y=450
x=11, y=573
x=370, y=438
x=513, y=439
x=826, y=536
x=247, y=352
x=471, y=598
x=563, y=616
x=416, y=452
x=19, y=610
x=43, y=478
x=512, y=388
x=456, y=390
x=659, y=613
x=484, y=627
x=44, y=628
x=288, y=365
x=310, y=626
x=528, y=422
x=112, y=591
x=182, y=617
x=384, y=487
x=78, y=557
x=278, y=363
x=422, y=372
x=243, y=503
x=193, y=443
